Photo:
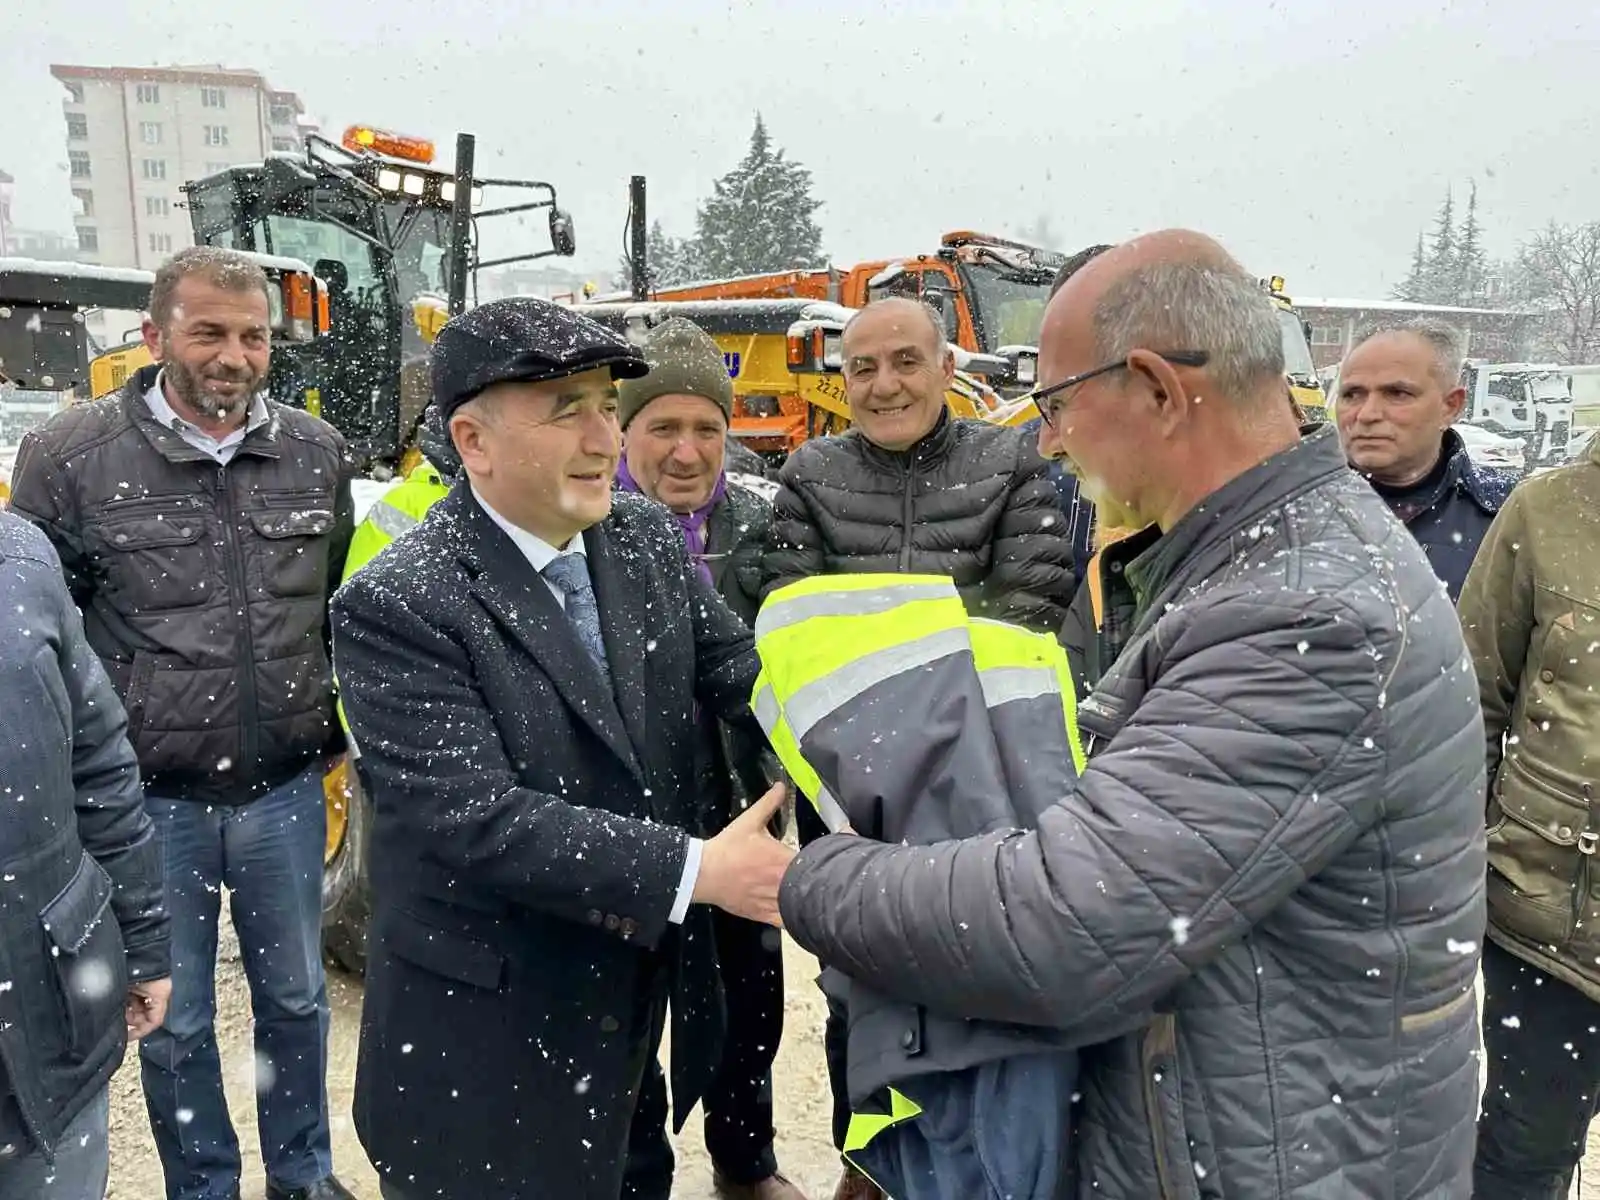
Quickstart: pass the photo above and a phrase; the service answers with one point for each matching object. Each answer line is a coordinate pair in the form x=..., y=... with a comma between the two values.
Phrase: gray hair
x=1449, y=357
x=935, y=321
x=1166, y=307
x=226, y=269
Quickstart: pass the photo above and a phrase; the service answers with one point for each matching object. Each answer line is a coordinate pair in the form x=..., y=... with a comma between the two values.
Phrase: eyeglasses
x=1048, y=408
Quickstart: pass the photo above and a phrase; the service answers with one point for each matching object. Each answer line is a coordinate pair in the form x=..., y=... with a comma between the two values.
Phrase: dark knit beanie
x=684, y=361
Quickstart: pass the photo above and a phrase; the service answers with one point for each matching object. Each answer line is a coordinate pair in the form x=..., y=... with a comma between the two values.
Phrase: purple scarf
x=692, y=523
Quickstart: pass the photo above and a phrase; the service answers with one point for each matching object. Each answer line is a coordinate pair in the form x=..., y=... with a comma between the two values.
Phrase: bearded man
x=201, y=526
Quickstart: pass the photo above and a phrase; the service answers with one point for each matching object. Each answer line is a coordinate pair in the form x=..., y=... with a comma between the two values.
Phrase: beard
x=190, y=388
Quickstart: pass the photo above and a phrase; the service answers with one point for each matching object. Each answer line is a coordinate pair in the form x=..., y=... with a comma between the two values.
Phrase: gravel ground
x=801, y=1087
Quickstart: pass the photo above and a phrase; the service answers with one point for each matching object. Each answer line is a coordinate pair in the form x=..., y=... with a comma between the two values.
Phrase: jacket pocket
x=138, y=693
x=292, y=550
x=155, y=556
x=451, y=955
x=1534, y=854
x=87, y=957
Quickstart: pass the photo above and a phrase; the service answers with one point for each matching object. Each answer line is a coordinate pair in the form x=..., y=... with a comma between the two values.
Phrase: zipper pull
x=1587, y=842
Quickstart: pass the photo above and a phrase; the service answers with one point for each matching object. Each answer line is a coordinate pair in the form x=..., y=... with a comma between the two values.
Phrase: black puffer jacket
x=204, y=588
x=971, y=500
x=1274, y=863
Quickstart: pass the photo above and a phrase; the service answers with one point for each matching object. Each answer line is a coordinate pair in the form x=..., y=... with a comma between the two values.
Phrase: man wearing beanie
x=675, y=435
x=521, y=672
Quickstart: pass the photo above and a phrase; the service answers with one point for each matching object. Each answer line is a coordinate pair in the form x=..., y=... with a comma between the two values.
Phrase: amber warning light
x=362, y=138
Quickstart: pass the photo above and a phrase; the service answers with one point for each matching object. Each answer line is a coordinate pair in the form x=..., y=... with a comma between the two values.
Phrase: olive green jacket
x=1531, y=612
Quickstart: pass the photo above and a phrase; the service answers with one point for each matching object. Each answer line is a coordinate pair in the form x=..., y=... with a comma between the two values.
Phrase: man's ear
x=467, y=433
x=1155, y=376
x=948, y=367
x=152, y=338
x=1454, y=401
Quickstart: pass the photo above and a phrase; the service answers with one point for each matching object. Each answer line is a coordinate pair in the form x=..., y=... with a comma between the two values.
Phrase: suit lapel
x=620, y=584
x=522, y=605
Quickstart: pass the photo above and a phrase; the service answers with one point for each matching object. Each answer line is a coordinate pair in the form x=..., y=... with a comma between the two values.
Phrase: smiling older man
x=1266, y=889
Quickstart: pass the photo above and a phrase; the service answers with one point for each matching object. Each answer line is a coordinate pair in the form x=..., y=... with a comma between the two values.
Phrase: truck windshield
x=1297, y=364
x=1010, y=304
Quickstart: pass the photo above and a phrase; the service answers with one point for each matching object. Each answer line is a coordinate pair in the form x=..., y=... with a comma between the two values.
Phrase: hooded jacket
x=1272, y=868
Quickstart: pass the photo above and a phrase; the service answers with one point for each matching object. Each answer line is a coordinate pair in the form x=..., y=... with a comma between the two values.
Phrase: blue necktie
x=570, y=573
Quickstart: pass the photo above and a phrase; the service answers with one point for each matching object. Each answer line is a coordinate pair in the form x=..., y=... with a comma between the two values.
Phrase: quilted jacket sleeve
x=1257, y=754
x=1496, y=613
x=1032, y=580
x=794, y=541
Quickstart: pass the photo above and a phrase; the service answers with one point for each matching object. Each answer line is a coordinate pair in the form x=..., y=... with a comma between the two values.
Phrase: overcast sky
x=1313, y=137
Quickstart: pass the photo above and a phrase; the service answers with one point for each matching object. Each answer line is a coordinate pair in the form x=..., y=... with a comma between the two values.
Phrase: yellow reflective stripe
x=866, y=1126
x=783, y=609
x=814, y=701
x=1002, y=685
x=999, y=646
x=764, y=703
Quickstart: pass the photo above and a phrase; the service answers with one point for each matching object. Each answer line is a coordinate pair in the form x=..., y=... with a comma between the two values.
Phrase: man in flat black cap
x=522, y=672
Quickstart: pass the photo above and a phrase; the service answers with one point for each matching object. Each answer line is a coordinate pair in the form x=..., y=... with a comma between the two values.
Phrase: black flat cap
x=522, y=340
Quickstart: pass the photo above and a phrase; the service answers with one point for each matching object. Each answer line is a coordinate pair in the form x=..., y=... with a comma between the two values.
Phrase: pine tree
x=1412, y=286
x=759, y=216
x=667, y=262
x=1441, y=276
x=1471, y=264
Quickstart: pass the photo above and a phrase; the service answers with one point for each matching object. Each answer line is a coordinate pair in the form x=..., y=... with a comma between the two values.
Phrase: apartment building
x=6, y=183
x=135, y=134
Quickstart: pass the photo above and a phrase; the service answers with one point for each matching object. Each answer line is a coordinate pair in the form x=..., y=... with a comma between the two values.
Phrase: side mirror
x=562, y=237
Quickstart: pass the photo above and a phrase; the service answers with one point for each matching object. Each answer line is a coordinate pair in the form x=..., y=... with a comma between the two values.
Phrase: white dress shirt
x=540, y=554
x=221, y=449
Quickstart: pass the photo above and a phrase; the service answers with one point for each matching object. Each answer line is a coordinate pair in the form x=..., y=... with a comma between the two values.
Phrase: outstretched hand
x=742, y=867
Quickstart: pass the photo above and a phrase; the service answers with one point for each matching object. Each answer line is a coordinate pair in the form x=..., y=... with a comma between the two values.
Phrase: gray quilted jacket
x=1265, y=896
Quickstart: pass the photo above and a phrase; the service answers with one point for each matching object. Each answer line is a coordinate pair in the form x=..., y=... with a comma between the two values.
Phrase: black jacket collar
x=933, y=448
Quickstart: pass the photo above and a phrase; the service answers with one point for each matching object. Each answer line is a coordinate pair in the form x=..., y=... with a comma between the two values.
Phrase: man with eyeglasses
x=912, y=489
x=1264, y=895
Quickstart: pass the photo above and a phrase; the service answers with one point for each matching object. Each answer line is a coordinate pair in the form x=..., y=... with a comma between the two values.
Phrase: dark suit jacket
x=527, y=845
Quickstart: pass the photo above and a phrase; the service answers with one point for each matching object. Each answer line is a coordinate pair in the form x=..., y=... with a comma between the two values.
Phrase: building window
x=150, y=133
x=216, y=135
x=280, y=114
x=75, y=93
x=284, y=145
x=77, y=127
x=1327, y=335
x=149, y=93
x=88, y=239
x=215, y=168
x=154, y=168
x=213, y=98
x=85, y=202
x=157, y=206
x=160, y=243
x=78, y=161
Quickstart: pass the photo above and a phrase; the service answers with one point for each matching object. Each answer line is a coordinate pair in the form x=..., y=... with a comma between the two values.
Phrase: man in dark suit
x=522, y=672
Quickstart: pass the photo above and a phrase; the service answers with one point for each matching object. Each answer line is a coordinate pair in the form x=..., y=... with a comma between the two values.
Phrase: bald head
x=905, y=313
x=1170, y=291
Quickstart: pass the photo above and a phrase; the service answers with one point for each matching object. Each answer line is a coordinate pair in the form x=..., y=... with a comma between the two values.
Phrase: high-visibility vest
x=397, y=510
x=838, y=651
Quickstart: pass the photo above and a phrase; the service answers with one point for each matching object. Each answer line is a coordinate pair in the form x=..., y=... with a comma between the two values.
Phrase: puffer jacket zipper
x=1154, y=1061
x=905, y=514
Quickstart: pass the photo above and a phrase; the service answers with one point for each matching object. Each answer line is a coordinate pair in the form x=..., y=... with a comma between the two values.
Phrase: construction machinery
x=989, y=291
x=785, y=359
x=396, y=242
x=1304, y=383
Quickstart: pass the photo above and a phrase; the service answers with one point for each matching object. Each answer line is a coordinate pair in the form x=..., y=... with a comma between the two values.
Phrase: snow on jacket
x=204, y=588
x=970, y=500
x=1274, y=863
x=80, y=870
